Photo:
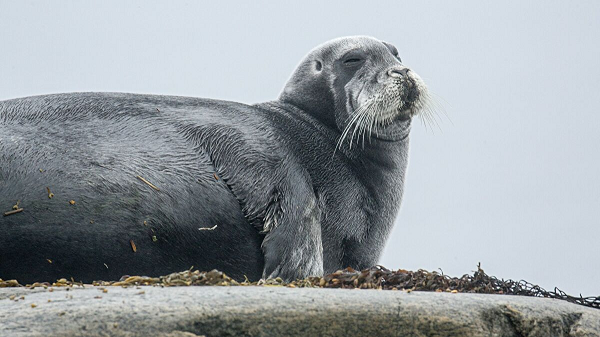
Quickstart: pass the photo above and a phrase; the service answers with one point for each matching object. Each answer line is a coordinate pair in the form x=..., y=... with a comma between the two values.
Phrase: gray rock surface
x=277, y=311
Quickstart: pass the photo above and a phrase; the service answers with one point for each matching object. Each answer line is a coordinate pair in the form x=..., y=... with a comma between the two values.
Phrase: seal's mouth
x=413, y=93
x=410, y=104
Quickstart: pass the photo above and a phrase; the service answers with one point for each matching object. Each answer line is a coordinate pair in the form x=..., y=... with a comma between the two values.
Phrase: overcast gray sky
x=513, y=181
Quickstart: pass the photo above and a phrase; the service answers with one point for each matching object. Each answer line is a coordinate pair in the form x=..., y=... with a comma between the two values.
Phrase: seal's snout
x=400, y=75
x=398, y=72
x=405, y=82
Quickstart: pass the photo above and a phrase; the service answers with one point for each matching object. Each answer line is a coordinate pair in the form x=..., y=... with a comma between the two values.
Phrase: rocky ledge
x=280, y=311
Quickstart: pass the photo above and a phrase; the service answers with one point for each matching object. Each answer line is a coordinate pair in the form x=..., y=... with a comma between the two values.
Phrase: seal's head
x=358, y=85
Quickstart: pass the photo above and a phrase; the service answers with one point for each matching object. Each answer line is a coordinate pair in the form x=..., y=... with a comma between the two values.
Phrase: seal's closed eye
x=352, y=60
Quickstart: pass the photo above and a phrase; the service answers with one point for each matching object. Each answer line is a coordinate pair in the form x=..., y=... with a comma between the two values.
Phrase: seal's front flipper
x=275, y=194
x=292, y=247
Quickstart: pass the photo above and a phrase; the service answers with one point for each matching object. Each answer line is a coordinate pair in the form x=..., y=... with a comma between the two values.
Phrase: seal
x=111, y=184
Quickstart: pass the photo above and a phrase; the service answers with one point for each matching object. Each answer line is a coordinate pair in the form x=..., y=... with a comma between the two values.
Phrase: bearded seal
x=112, y=184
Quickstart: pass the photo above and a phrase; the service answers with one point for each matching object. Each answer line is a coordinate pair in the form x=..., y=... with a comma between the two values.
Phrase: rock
x=279, y=311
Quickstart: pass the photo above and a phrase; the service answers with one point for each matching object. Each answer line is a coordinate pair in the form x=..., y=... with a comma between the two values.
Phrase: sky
x=510, y=176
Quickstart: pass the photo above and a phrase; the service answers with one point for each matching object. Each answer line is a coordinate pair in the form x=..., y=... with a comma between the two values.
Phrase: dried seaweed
x=377, y=277
x=9, y=283
x=185, y=278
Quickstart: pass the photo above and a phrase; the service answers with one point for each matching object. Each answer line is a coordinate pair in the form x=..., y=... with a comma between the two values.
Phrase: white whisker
x=382, y=109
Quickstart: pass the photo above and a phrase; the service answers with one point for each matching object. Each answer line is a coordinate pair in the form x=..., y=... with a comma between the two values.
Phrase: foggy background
x=512, y=181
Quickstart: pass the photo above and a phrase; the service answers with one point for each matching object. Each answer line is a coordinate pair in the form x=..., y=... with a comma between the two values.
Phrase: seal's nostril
x=398, y=72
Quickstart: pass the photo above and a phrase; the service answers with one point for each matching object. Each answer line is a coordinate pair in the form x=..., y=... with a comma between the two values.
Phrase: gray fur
x=284, y=200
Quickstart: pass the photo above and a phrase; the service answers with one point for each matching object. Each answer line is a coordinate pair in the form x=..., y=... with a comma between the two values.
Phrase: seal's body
x=114, y=184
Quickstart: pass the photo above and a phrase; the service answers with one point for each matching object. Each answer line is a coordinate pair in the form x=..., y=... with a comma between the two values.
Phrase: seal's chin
x=403, y=115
